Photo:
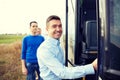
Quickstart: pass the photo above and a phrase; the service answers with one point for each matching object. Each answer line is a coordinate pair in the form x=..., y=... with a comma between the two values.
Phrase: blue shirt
x=30, y=44
x=51, y=60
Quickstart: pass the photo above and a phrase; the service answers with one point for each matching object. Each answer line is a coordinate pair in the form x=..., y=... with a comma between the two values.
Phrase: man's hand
x=94, y=63
x=24, y=70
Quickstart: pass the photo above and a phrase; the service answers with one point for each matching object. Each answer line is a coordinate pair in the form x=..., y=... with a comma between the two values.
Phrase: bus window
x=91, y=35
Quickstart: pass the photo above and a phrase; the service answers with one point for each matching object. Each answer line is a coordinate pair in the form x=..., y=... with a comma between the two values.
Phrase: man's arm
x=59, y=69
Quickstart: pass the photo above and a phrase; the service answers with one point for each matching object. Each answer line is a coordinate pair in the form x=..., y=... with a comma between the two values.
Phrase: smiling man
x=51, y=57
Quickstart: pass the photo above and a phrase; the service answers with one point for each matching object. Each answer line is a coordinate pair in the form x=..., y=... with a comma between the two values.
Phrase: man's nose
x=58, y=28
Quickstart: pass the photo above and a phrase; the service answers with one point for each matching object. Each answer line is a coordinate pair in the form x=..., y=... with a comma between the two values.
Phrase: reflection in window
x=115, y=22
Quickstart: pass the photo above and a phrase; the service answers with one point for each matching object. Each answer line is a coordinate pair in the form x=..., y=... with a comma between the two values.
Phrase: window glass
x=115, y=22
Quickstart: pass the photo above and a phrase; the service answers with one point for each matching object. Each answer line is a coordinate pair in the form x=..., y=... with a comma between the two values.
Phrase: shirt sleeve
x=23, y=51
x=50, y=60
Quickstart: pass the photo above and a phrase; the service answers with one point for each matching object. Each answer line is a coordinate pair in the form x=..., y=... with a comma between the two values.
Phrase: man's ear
x=46, y=28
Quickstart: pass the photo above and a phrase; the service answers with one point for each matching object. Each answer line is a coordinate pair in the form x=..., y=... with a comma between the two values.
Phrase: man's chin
x=57, y=37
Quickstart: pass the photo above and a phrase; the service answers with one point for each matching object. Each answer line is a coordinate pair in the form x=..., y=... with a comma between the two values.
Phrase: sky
x=15, y=15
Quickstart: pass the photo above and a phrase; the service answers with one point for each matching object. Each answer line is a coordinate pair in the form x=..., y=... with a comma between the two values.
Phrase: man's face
x=54, y=28
x=38, y=31
x=33, y=28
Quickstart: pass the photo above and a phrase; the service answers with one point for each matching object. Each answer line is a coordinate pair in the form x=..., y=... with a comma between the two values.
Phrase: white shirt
x=51, y=61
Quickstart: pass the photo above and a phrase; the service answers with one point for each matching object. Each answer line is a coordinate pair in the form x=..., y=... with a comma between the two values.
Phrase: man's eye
x=35, y=26
x=54, y=26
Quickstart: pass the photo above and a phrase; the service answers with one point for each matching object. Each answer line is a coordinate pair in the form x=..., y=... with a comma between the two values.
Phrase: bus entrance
x=81, y=33
x=92, y=31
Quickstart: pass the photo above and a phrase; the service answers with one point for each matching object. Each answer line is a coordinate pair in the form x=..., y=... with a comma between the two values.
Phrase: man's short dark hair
x=52, y=17
x=33, y=22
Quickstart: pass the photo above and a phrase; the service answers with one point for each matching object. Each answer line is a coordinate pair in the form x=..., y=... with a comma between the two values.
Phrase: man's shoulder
x=27, y=36
x=40, y=36
x=45, y=45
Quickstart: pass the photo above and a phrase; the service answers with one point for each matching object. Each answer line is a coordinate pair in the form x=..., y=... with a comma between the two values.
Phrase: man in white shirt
x=51, y=57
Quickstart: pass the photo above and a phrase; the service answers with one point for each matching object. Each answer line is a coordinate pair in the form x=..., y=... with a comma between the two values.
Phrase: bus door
x=81, y=33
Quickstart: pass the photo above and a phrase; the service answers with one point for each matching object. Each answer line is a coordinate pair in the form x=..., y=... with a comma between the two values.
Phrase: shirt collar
x=53, y=41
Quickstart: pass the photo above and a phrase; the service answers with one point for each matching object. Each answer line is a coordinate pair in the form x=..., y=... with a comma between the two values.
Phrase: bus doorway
x=81, y=33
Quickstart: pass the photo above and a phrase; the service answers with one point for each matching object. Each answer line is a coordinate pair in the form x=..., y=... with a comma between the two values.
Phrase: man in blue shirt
x=51, y=57
x=30, y=44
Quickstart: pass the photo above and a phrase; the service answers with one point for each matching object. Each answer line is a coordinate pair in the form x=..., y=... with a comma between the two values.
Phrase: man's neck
x=33, y=34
